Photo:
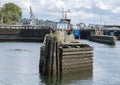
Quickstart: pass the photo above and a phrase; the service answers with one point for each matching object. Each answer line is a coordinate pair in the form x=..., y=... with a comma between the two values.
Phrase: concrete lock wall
x=23, y=33
x=110, y=40
x=9, y=31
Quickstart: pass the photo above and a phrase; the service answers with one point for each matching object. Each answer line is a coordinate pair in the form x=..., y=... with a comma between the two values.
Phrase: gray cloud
x=88, y=11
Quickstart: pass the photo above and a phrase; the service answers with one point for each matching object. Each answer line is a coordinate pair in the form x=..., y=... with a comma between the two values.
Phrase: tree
x=10, y=12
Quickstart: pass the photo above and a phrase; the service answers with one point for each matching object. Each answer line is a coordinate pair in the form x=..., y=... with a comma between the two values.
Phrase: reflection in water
x=20, y=50
x=81, y=75
x=67, y=78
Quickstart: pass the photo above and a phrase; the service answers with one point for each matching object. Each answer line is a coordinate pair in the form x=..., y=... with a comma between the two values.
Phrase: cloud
x=102, y=6
x=116, y=10
x=81, y=10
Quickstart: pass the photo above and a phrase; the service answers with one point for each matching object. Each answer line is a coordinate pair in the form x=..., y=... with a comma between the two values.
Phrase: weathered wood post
x=49, y=60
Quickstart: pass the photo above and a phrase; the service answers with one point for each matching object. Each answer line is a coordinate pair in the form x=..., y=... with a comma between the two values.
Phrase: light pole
x=100, y=18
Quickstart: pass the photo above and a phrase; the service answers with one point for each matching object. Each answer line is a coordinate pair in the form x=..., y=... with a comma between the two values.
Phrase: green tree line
x=10, y=13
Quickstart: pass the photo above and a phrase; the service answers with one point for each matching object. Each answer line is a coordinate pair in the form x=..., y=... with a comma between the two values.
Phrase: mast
x=62, y=12
x=32, y=17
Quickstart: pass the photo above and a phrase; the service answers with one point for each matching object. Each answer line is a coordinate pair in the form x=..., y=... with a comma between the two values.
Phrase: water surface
x=19, y=65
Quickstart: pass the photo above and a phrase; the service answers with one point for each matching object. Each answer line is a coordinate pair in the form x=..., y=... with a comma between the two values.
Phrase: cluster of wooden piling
x=56, y=58
x=49, y=57
x=110, y=40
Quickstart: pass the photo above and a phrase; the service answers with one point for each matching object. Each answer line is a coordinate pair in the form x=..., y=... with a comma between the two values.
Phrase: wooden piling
x=76, y=59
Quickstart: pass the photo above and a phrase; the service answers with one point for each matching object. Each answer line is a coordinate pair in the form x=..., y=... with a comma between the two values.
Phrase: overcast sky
x=88, y=11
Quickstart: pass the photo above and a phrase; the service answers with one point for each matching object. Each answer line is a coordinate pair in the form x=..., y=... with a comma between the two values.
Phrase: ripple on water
x=19, y=50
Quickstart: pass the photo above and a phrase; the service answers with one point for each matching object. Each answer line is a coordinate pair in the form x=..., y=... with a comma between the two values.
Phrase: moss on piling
x=55, y=37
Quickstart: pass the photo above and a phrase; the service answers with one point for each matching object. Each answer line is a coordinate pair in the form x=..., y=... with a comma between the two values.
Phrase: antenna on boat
x=67, y=11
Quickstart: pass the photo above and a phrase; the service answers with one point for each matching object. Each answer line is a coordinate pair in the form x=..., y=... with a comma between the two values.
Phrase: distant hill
x=40, y=22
